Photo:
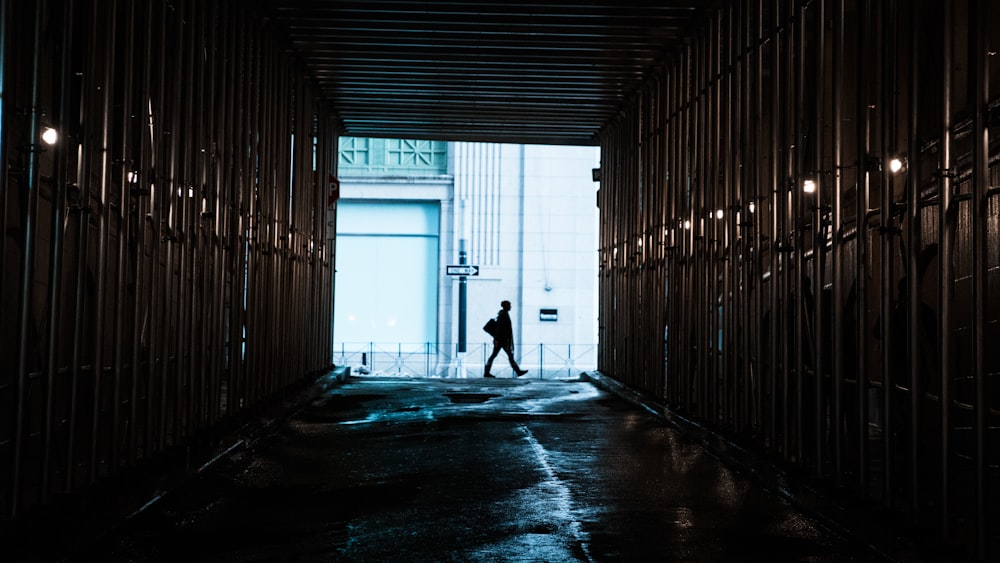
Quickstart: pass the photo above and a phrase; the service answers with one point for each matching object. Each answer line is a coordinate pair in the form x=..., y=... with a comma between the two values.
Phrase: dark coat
x=505, y=333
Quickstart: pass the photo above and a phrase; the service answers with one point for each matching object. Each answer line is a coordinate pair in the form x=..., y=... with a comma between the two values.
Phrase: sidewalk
x=864, y=520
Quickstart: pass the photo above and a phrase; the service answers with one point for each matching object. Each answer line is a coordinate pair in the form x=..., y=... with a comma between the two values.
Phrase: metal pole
x=27, y=264
x=157, y=233
x=214, y=209
x=946, y=234
x=797, y=223
x=979, y=224
x=736, y=354
x=89, y=86
x=837, y=242
x=776, y=191
x=756, y=208
x=913, y=252
x=60, y=151
x=462, y=291
x=120, y=429
x=103, y=238
x=703, y=284
x=861, y=253
x=171, y=224
x=887, y=121
x=710, y=189
x=5, y=107
x=820, y=373
x=139, y=202
x=787, y=337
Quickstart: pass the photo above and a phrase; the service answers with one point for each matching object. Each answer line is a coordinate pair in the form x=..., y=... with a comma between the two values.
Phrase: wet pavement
x=380, y=469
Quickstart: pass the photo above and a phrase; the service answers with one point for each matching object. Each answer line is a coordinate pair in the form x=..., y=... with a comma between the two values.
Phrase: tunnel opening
x=521, y=220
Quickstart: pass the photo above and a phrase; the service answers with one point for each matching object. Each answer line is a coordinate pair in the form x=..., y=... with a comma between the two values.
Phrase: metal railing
x=431, y=359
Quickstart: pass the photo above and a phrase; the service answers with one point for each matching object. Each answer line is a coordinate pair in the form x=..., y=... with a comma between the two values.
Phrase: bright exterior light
x=719, y=214
x=809, y=186
x=50, y=136
x=895, y=165
x=751, y=208
x=687, y=224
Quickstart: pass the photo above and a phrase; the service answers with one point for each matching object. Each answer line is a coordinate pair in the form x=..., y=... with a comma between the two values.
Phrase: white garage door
x=387, y=271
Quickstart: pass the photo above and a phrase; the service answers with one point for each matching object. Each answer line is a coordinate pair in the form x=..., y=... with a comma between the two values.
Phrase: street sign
x=462, y=270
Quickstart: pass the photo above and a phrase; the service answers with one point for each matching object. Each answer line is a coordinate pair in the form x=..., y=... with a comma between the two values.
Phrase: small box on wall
x=548, y=314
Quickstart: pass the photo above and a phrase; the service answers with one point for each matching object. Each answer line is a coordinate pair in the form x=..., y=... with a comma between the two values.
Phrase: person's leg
x=489, y=362
x=513, y=363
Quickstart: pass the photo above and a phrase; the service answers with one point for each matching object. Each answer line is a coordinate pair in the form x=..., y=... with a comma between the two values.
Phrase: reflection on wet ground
x=472, y=470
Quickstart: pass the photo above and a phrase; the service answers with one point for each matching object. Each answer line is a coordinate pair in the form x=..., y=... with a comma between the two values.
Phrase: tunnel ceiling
x=545, y=72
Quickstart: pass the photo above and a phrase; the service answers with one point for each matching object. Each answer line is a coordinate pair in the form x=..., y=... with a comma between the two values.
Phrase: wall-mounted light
x=719, y=214
x=50, y=136
x=895, y=165
x=809, y=186
x=752, y=207
x=687, y=224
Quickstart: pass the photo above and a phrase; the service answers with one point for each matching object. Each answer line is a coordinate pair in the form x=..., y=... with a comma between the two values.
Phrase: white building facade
x=527, y=218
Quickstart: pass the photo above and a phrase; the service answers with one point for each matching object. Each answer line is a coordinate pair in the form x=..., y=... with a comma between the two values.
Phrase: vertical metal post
x=703, y=284
x=979, y=221
x=5, y=107
x=786, y=220
x=86, y=156
x=837, y=242
x=463, y=257
x=756, y=209
x=861, y=240
x=797, y=221
x=913, y=248
x=54, y=322
x=27, y=264
x=887, y=123
x=946, y=239
x=59, y=182
x=541, y=360
x=776, y=191
x=174, y=189
x=123, y=215
x=103, y=238
x=711, y=188
x=819, y=242
x=159, y=186
x=138, y=178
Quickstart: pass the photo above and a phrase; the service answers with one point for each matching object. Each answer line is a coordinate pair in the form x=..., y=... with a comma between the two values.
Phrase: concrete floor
x=383, y=469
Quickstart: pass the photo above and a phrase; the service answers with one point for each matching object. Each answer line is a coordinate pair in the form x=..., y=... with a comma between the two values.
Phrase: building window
x=406, y=153
x=353, y=152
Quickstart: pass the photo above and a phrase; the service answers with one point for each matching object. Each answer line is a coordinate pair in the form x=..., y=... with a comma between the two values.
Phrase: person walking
x=503, y=339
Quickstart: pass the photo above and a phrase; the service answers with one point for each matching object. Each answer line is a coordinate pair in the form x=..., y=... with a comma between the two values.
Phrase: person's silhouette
x=503, y=339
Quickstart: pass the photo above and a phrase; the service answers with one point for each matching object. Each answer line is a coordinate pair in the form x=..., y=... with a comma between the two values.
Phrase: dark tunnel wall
x=165, y=263
x=852, y=331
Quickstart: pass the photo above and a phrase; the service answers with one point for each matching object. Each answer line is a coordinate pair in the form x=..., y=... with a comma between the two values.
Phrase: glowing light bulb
x=809, y=186
x=50, y=136
x=895, y=165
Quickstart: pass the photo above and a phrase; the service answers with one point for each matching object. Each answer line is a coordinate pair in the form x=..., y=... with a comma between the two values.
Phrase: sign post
x=463, y=270
x=462, y=283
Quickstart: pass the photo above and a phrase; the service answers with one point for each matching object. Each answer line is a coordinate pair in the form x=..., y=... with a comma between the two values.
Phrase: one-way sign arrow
x=462, y=270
